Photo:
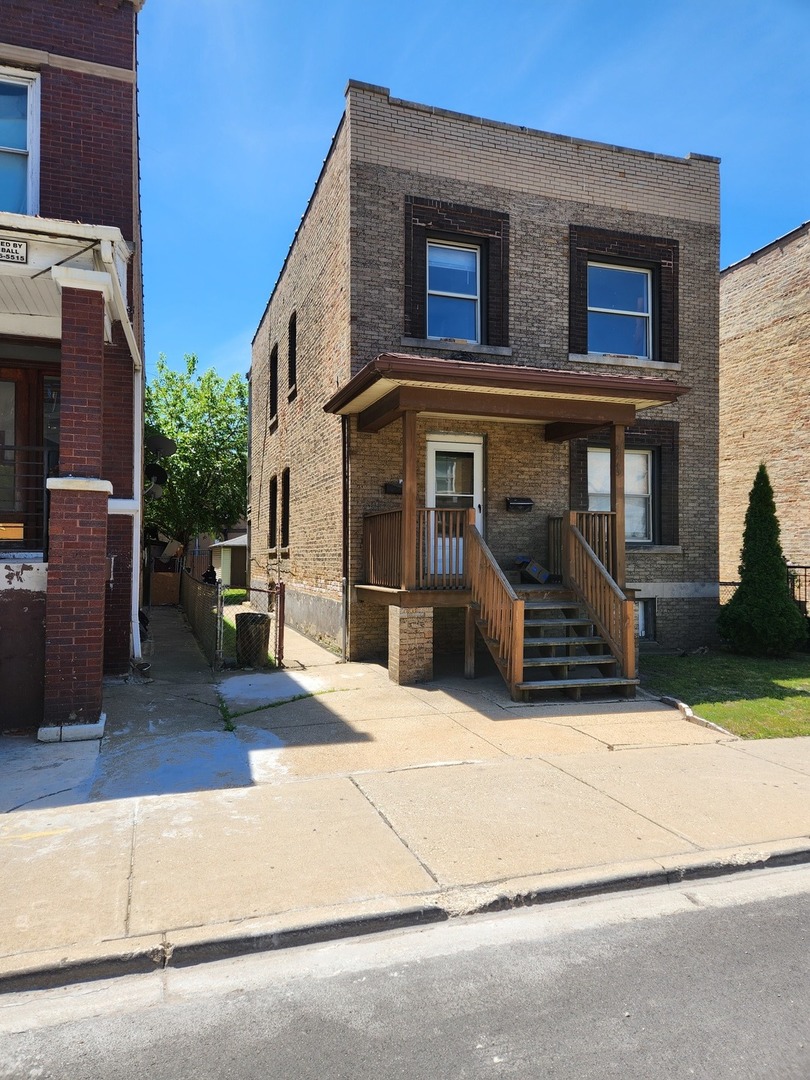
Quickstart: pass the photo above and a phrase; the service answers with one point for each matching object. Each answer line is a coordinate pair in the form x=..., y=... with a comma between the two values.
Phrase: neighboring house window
x=273, y=402
x=292, y=355
x=19, y=142
x=638, y=494
x=272, y=532
x=456, y=273
x=285, y=508
x=623, y=295
x=646, y=619
x=453, y=292
x=651, y=479
x=619, y=312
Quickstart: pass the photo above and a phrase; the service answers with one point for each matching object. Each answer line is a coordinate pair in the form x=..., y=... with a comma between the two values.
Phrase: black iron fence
x=24, y=498
x=798, y=581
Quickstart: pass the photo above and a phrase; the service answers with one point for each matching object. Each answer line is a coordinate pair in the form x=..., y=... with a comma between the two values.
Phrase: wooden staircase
x=562, y=648
x=551, y=638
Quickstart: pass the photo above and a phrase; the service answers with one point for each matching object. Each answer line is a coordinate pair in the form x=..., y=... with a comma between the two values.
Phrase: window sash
x=606, y=320
x=638, y=498
x=449, y=304
x=19, y=152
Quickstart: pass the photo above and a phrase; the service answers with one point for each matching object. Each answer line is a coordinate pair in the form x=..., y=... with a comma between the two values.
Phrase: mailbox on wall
x=519, y=504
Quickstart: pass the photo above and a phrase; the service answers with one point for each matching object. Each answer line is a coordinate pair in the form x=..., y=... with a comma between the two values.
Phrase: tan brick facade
x=354, y=243
x=764, y=402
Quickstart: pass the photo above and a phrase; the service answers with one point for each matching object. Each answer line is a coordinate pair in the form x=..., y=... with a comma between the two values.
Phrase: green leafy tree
x=761, y=618
x=207, y=417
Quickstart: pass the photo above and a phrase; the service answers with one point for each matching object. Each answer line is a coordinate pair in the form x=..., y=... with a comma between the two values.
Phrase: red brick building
x=488, y=341
x=71, y=374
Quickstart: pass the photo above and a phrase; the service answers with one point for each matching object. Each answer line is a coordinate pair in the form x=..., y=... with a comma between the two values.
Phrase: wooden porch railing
x=382, y=549
x=498, y=606
x=588, y=577
x=599, y=532
x=440, y=540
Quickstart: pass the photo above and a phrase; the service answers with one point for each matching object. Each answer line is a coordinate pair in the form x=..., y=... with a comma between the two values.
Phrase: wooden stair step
x=573, y=639
x=584, y=684
x=558, y=622
x=569, y=661
x=555, y=605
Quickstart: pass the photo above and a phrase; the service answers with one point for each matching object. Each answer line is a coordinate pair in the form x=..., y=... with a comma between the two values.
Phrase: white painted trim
x=33, y=326
x=122, y=506
x=78, y=483
x=55, y=227
x=69, y=277
x=22, y=55
x=29, y=79
x=622, y=312
x=73, y=732
x=464, y=444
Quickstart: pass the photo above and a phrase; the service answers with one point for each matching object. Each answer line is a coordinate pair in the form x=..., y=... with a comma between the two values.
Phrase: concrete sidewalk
x=342, y=803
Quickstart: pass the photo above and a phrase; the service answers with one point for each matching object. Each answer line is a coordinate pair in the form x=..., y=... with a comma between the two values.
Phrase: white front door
x=454, y=481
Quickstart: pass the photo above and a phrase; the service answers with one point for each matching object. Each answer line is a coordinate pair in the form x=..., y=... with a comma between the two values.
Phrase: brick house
x=488, y=341
x=71, y=375
x=765, y=357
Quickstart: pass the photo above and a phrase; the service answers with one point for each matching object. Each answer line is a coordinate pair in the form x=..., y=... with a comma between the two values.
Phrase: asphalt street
x=706, y=980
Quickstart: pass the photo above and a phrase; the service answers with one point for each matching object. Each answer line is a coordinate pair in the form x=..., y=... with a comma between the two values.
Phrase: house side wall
x=545, y=184
x=315, y=285
x=764, y=403
x=84, y=54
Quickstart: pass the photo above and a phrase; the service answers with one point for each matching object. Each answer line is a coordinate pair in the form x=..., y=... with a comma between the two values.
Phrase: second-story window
x=292, y=355
x=453, y=292
x=19, y=143
x=619, y=310
x=272, y=404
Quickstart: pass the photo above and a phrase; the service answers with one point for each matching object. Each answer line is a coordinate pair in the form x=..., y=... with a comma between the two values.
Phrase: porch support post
x=409, y=500
x=619, y=568
x=78, y=521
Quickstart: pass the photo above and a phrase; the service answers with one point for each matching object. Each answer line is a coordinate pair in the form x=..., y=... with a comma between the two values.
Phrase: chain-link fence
x=230, y=633
x=202, y=604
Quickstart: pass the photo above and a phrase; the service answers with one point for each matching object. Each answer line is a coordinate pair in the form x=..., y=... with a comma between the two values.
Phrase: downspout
x=133, y=506
x=344, y=421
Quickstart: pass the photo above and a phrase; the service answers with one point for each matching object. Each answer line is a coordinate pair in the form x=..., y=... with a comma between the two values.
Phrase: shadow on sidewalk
x=169, y=734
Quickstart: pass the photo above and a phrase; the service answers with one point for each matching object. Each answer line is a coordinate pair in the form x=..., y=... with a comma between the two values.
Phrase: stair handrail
x=606, y=604
x=500, y=609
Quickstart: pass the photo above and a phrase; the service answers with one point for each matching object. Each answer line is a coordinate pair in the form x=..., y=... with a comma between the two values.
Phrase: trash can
x=252, y=639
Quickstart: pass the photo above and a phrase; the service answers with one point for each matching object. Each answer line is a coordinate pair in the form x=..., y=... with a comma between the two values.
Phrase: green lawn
x=753, y=697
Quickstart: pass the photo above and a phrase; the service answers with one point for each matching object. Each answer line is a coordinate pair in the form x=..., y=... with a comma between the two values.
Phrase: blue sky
x=239, y=100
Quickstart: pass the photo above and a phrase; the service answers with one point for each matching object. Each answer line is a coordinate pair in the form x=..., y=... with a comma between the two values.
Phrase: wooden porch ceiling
x=568, y=403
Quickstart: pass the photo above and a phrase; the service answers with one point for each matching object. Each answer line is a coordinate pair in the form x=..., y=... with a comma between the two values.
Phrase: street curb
x=693, y=718
x=470, y=900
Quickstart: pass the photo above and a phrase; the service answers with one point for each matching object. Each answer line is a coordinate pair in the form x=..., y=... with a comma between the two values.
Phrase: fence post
x=280, y=624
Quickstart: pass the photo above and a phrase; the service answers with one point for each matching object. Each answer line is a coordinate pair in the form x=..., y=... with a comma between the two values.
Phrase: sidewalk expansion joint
x=390, y=825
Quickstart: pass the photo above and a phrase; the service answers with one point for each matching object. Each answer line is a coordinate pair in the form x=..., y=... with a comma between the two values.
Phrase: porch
x=430, y=553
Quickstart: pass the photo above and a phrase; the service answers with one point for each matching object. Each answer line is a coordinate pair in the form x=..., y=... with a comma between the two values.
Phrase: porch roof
x=569, y=403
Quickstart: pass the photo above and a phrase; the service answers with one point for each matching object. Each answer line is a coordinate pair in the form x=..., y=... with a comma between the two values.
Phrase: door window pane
x=455, y=472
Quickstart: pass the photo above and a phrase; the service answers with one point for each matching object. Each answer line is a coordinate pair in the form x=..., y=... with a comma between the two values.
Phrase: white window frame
x=454, y=296
x=32, y=81
x=649, y=497
x=648, y=315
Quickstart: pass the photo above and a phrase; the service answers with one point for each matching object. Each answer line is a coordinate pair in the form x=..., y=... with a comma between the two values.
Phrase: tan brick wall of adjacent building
x=315, y=285
x=764, y=398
